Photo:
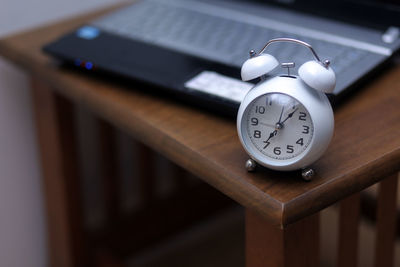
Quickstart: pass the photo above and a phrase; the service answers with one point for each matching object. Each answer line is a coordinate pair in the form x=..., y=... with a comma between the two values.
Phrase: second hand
x=267, y=124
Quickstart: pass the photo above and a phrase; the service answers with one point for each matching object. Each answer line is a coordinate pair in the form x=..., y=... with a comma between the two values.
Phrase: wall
x=22, y=215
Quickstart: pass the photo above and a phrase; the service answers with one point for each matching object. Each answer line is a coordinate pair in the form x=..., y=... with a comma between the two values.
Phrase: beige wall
x=22, y=221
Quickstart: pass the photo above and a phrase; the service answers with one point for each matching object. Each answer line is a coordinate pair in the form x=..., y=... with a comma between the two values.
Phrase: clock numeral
x=289, y=149
x=277, y=150
x=302, y=116
x=260, y=109
x=266, y=144
x=305, y=129
x=254, y=121
x=257, y=134
x=300, y=142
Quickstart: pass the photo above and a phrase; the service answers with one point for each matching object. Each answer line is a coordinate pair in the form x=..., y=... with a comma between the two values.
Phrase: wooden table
x=281, y=209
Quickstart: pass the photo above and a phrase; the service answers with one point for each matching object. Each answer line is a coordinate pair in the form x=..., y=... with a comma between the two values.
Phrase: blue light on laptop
x=89, y=65
x=88, y=32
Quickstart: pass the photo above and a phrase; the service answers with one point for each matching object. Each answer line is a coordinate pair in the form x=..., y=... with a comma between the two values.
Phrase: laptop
x=193, y=49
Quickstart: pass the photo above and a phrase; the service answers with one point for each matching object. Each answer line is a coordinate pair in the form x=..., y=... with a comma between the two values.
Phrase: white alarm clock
x=286, y=122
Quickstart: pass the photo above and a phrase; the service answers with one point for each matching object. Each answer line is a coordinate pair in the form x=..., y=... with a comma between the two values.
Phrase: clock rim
x=317, y=105
x=245, y=121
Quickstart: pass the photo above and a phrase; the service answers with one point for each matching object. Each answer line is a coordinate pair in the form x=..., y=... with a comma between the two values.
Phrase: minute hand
x=289, y=115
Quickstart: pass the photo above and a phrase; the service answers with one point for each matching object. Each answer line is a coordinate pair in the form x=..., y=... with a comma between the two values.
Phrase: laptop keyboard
x=218, y=38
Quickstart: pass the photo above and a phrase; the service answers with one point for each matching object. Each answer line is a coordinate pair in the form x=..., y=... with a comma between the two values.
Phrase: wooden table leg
x=267, y=245
x=109, y=171
x=348, y=231
x=386, y=218
x=56, y=136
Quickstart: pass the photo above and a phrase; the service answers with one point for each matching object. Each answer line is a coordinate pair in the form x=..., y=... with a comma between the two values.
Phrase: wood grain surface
x=365, y=147
x=295, y=246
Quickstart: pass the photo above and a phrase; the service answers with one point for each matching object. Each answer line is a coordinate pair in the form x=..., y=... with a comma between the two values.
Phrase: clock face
x=278, y=126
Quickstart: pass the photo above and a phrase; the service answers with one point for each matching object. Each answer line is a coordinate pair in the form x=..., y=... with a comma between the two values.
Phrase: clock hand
x=271, y=135
x=279, y=125
x=280, y=117
x=289, y=115
x=266, y=124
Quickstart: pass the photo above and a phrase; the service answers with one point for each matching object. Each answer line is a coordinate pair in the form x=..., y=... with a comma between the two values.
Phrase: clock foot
x=307, y=174
x=250, y=165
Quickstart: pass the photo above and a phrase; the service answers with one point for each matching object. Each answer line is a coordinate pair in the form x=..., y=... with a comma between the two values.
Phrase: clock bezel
x=254, y=146
x=317, y=105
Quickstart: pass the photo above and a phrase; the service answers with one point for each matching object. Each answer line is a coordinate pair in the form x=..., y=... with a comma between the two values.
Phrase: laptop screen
x=378, y=14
